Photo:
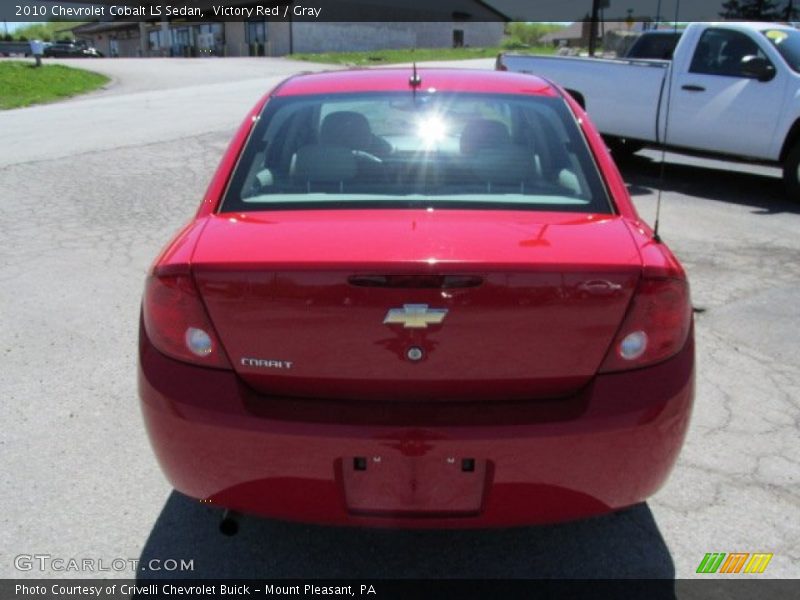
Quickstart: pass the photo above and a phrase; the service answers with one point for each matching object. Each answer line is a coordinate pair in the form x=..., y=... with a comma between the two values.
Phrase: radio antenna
x=662, y=173
x=415, y=80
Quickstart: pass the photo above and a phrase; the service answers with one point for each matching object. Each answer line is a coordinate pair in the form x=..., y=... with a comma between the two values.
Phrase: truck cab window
x=720, y=52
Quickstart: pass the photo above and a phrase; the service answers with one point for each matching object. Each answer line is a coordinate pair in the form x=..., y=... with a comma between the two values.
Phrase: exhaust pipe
x=229, y=525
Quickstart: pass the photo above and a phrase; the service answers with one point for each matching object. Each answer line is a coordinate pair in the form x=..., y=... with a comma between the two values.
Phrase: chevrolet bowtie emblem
x=415, y=316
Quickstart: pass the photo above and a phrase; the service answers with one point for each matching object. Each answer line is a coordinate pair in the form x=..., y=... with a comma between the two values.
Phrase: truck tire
x=622, y=148
x=791, y=174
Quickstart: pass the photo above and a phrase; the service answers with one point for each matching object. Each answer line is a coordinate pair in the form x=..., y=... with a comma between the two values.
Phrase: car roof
x=397, y=79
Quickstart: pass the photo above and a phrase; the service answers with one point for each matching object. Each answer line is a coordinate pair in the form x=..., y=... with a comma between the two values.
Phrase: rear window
x=655, y=45
x=427, y=149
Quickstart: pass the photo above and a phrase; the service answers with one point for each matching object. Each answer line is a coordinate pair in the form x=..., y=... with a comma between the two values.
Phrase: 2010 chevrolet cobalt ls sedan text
x=418, y=301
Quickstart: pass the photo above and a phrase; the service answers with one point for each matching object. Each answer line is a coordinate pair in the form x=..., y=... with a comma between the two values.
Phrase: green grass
x=21, y=84
x=387, y=57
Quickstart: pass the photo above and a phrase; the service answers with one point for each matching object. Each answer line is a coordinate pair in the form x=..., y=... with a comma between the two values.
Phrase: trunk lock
x=414, y=353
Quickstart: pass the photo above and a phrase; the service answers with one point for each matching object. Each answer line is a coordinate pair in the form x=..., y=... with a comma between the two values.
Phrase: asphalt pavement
x=93, y=187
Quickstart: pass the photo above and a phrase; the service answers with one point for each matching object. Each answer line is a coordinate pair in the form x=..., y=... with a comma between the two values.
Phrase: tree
x=530, y=33
x=752, y=10
x=730, y=9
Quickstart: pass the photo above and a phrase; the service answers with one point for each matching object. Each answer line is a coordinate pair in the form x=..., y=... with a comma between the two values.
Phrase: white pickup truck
x=732, y=89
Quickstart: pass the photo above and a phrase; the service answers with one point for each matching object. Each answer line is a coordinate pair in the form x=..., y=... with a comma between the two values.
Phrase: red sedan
x=417, y=300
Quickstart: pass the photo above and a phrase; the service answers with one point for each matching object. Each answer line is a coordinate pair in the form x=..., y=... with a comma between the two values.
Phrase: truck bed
x=621, y=95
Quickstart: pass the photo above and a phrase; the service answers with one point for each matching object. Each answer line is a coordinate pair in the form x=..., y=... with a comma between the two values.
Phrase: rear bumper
x=608, y=447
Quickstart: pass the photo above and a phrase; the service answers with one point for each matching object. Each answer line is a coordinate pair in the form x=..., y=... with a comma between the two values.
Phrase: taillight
x=655, y=328
x=177, y=324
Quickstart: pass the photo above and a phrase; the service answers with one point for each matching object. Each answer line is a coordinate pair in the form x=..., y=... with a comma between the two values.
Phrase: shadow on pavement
x=762, y=192
x=623, y=545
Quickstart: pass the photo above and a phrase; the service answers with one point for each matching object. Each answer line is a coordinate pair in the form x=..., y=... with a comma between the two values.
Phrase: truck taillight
x=655, y=328
x=177, y=324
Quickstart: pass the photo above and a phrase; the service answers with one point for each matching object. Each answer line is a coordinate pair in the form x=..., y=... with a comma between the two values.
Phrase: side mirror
x=756, y=67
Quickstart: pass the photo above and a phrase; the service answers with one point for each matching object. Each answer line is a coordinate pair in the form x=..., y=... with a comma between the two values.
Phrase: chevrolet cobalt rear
x=417, y=300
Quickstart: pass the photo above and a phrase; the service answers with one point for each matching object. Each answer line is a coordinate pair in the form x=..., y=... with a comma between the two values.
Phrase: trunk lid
x=416, y=304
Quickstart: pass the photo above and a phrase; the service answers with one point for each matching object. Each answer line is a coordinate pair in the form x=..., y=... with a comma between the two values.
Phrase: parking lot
x=94, y=186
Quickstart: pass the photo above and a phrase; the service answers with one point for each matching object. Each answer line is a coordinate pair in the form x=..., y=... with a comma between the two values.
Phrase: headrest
x=507, y=165
x=324, y=164
x=346, y=128
x=480, y=134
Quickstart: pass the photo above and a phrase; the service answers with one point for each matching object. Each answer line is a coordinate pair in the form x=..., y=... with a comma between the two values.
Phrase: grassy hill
x=22, y=84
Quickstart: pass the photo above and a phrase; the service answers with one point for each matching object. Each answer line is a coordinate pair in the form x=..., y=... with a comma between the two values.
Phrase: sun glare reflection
x=432, y=129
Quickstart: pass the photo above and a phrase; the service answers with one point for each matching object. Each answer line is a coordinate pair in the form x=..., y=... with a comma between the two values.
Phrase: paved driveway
x=93, y=187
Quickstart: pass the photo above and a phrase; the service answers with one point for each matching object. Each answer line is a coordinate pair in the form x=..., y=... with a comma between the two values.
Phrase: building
x=578, y=33
x=112, y=38
x=452, y=23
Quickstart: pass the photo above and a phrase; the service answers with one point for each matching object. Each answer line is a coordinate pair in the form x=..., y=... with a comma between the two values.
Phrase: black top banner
x=400, y=10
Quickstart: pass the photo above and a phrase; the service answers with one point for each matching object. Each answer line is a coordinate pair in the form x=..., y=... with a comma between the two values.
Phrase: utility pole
x=593, y=26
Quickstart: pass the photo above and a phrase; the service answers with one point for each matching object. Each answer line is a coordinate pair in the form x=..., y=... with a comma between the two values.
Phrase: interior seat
x=324, y=168
x=352, y=130
x=493, y=157
x=483, y=134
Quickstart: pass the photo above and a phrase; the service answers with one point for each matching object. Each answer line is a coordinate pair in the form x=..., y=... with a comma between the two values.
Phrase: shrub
x=513, y=43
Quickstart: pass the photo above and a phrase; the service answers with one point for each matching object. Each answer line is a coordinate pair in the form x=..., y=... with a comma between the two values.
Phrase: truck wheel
x=791, y=174
x=622, y=148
